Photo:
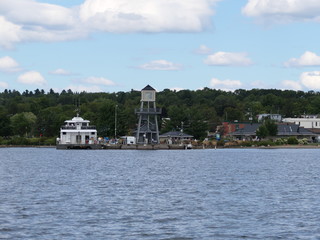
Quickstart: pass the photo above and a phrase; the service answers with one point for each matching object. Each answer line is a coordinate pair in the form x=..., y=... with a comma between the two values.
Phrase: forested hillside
x=40, y=113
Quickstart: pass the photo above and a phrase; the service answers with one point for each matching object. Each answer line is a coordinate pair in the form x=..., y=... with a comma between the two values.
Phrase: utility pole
x=115, y=121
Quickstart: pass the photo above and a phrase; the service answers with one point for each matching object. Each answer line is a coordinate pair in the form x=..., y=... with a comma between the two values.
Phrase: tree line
x=39, y=113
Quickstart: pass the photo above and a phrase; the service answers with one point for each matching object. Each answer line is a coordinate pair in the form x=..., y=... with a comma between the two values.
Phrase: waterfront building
x=175, y=137
x=77, y=131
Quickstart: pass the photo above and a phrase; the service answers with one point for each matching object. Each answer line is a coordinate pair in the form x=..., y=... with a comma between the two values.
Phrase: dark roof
x=248, y=129
x=293, y=130
x=176, y=134
x=283, y=130
x=148, y=87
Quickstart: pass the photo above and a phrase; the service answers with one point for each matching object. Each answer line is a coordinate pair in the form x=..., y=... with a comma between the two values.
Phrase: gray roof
x=176, y=134
x=293, y=130
x=283, y=130
x=249, y=129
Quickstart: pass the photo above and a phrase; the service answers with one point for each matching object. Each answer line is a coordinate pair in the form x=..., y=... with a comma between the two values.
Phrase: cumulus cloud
x=99, y=81
x=8, y=64
x=227, y=85
x=311, y=80
x=32, y=78
x=82, y=88
x=294, y=85
x=147, y=16
x=161, y=65
x=228, y=59
x=61, y=71
x=9, y=33
x=29, y=20
x=283, y=11
x=4, y=85
x=203, y=50
x=306, y=59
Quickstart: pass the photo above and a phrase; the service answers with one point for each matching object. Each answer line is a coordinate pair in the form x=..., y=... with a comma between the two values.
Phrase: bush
x=281, y=141
x=248, y=143
x=50, y=141
x=293, y=140
x=220, y=143
x=18, y=141
x=303, y=141
x=266, y=143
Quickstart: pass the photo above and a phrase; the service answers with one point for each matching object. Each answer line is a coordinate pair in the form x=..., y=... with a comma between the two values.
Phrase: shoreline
x=166, y=147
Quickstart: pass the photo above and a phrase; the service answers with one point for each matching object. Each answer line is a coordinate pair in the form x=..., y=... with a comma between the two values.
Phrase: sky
x=119, y=45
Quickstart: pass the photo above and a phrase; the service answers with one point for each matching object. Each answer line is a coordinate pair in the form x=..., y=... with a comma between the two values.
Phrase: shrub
x=266, y=143
x=220, y=143
x=247, y=143
x=50, y=141
x=18, y=141
x=303, y=141
x=292, y=140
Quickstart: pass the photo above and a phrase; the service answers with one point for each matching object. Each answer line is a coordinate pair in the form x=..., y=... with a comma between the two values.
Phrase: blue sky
x=119, y=45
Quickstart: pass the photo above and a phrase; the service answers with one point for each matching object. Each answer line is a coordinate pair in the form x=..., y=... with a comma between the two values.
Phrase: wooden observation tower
x=148, y=131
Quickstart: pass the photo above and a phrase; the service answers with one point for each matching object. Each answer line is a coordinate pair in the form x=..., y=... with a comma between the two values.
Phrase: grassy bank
x=22, y=141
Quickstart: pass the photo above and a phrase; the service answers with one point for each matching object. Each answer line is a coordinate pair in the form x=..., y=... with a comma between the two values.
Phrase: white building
x=304, y=122
x=77, y=131
x=274, y=117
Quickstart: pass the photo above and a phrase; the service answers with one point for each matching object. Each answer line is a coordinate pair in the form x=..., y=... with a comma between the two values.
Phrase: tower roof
x=148, y=87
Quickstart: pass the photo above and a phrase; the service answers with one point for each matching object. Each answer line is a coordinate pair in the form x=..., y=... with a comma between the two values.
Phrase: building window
x=64, y=133
x=93, y=133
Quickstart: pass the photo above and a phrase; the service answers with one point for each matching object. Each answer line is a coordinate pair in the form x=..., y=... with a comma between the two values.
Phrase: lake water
x=177, y=194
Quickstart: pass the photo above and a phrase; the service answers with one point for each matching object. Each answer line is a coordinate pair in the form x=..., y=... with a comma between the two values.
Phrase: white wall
x=304, y=122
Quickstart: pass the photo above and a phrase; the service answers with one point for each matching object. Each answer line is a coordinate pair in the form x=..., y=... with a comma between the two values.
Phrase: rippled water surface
x=188, y=194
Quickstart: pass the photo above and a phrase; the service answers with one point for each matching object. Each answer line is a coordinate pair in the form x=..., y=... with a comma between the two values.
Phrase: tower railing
x=148, y=110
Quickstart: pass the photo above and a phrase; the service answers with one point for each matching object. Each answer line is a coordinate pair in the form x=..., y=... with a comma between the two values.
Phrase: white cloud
x=32, y=77
x=311, y=80
x=147, y=16
x=203, y=50
x=9, y=33
x=4, y=85
x=29, y=20
x=294, y=85
x=177, y=89
x=61, y=71
x=306, y=59
x=99, y=81
x=161, y=65
x=228, y=59
x=8, y=64
x=227, y=85
x=82, y=88
x=283, y=11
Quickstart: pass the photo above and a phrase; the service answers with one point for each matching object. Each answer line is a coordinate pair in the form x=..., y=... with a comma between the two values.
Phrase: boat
x=78, y=134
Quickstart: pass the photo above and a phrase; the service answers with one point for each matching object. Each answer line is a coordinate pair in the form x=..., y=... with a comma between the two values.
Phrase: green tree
x=23, y=123
x=262, y=132
x=268, y=128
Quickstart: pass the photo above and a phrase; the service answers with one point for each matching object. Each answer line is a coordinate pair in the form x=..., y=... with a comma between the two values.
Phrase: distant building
x=310, y=123
x=175, y=137
x=248, y=132
x=229, y=127
x=274, y=117
x=77, y=131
